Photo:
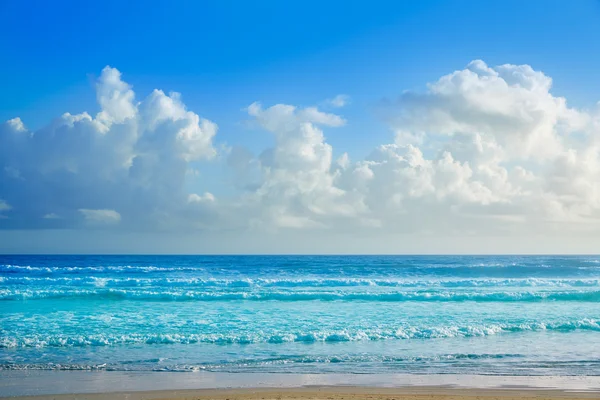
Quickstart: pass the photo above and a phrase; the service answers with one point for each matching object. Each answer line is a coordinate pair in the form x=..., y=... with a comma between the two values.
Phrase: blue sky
x=224, y=55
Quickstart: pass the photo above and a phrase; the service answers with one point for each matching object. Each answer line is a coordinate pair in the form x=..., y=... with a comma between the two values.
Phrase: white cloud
x=510, y=105
x=339, y=101
x=101, y=216
x=4, y=206
x=297, y=186
x=115, y=97
x=51, y=216
x=481, y=151
x=168, y=124
x=501, y=145
x=312, y=114
x=132, y=157
x=343, y=161
x=16, y=124
x=206, y=197
x=284, y=117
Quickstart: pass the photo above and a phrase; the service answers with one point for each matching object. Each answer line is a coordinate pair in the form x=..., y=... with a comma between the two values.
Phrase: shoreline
x=101, y=385
x=329, y=393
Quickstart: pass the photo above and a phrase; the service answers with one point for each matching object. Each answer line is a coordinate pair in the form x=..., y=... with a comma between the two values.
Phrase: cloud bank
x=483, y=150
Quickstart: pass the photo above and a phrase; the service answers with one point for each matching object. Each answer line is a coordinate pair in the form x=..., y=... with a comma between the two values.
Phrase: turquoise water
x=497, y=315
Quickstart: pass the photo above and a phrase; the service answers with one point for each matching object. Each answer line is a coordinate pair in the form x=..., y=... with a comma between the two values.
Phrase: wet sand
x=330, y=393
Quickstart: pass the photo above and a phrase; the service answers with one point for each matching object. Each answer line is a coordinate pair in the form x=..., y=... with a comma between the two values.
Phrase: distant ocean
x=492, y=315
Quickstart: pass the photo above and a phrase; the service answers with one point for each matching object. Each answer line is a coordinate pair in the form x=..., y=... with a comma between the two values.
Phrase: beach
x=171, y=385
x=328, y=393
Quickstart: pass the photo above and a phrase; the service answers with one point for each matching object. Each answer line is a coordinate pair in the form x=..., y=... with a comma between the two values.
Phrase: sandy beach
x=329, y=393
x=116, y=385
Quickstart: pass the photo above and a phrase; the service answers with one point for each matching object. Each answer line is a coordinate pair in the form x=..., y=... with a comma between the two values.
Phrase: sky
x=300, y=127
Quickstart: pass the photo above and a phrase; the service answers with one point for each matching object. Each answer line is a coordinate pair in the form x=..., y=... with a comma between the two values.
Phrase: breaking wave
x=290, y=296
x=99, y=281
x=304, y=337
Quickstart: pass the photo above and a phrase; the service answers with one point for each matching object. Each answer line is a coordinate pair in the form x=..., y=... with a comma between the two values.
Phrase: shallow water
x=491, y=315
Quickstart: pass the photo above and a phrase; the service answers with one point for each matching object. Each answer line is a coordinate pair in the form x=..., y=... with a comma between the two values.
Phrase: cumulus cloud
x=297, y=186
x=510, y=105
x=482, y=150
x=16, y=124
x=130, y=159
x=503, y=147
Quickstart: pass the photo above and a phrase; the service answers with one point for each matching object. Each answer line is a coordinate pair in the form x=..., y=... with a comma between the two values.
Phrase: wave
x=97, y=281
x=158, y=364
x=290, y=296
x=327, y=336
x=324, y=267
x=10, y=268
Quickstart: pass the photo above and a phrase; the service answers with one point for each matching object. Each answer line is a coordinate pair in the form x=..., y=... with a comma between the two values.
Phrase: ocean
x=478, y=315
